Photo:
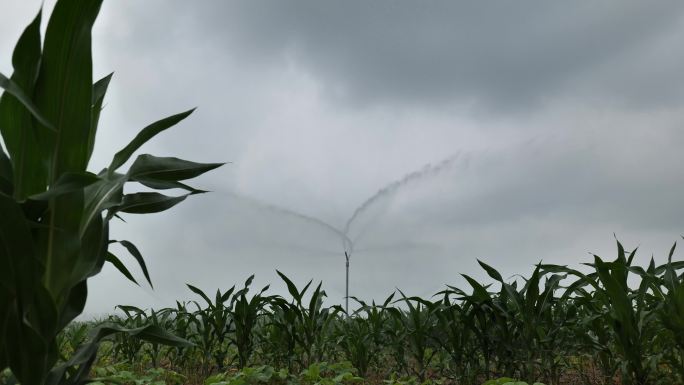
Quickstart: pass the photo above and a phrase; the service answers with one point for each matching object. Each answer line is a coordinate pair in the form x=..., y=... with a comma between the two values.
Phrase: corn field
x=612, y=323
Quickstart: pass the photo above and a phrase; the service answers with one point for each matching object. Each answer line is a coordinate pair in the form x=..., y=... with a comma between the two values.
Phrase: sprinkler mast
x=346, y=296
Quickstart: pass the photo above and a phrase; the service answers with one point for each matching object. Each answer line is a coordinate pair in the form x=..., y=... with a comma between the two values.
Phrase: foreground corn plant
x=631, y=314
x=54, y=227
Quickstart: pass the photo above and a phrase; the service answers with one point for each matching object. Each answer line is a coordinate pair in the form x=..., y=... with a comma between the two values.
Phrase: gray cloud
x=496, y=55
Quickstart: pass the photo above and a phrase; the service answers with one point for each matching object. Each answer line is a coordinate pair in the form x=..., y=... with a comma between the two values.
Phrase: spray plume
x=347, y=243
x=425, y=171
x=292, y=213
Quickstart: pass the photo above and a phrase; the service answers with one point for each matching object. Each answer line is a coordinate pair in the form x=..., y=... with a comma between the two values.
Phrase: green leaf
x=99, y=91
x=148, y=202
x=138, y=257
x=491, y=271
x=532, y=290
x=479, y=291
x=143, y=136
x=200, y=293
x=64, y=87
x=15, y=90
x=151, y=168
x=79, y=365
x=166, y=184
x=19, y=131
x=292, y=288
x=114, y=260
x=128, y=309
x=102, y=195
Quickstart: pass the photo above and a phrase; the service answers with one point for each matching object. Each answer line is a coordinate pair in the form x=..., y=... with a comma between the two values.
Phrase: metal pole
x=346, y=296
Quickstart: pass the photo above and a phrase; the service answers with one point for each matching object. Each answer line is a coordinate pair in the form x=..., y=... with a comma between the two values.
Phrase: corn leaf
x=144, y=135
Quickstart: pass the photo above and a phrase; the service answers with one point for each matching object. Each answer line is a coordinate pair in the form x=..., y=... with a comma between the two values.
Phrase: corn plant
x=666, y=288
x=456, y=337
x=128, y=347
x=537, y=327
x=532, y=317
x=69, y=339
x=671, y=312
x=627, y=313
x=419, y=322
x=213, y=324
x=594, y=335
x=245, y=314
x=482, y=316
x=312, y=321
x=54, y=227
x=361, y=336
x=355, y=339
x=180, y=325
x=277, y=334
x=160, y=319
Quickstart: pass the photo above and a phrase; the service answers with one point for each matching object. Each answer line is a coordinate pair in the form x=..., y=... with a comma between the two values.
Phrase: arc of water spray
x=427, y=170
x=347, y=243
x=295, y=214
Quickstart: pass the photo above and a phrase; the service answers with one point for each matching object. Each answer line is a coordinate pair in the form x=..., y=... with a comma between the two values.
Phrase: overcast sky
x=561, y=123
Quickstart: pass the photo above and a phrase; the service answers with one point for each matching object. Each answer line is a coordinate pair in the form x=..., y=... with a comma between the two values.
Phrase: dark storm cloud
x=498, y=55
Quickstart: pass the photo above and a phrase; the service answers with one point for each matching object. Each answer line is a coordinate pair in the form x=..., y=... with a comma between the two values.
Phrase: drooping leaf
x=138, y=257
x=200, y=293
x=79, y=365
x=15, y=90
x=116, y=262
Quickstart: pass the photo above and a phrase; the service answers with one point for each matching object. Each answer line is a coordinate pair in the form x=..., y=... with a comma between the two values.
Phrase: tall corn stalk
x=629, y=314
x=54, y=227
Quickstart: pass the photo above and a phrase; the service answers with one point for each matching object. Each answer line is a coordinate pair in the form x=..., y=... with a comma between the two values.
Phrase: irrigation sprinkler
x=347, y=243
x=346, y=290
